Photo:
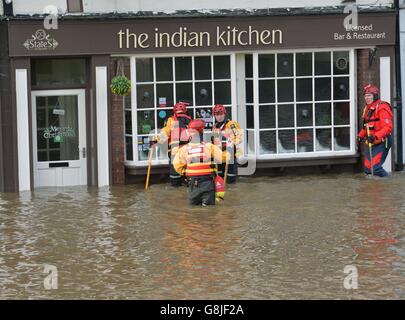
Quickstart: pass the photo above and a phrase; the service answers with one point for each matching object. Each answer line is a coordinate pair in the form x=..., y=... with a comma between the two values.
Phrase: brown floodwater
x=273, y=238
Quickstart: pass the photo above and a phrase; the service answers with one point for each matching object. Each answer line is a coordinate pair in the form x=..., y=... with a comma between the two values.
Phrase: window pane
x=129, y=148
x=322, y=89
x=146, y=121
x=145, y=96
x=305, y=140
x=342, y=139
x=203, y=92
x=58, y=72
x=250, y=124
x=268, y=142
x=222, y=67
x=162, y=116
x=322, y=63
x=323, y=114
x=341, y=62
x=267, y=117
x=183, y=68
x=266, y=65
x=250, y=142
x=266, y=91
x=323, y=140
x=341, y=114
x=127, y=102
x=184, y=92
x=202, y=67
x=341, y=88
x=285, y=90
x=143, y=148
x=285, y=65
x=248, y=66
x=304, y=115
x=144, y=70
x=286, y=141
x=249, y=91
x=304, y=89
x=304, y=64
x=164, y=95
x=205, y=114
x=286, y=116
x=222, y=92
x=128, y=122
x=164, y=69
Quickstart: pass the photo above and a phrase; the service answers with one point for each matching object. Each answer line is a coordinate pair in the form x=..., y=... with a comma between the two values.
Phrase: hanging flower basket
x=120, y=84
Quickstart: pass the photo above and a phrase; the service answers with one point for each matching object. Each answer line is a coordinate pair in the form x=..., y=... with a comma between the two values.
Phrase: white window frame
x=313, y=154
x=141, y=163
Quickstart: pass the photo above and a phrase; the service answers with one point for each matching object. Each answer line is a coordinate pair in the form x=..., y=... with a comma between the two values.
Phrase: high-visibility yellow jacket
x=198, y=159
x=228, y=134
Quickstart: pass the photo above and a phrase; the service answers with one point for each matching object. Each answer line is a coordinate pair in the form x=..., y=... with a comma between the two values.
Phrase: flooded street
x=273, y=238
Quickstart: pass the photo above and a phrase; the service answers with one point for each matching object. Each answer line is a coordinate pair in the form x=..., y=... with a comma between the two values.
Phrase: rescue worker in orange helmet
x=175, y=133
x=198, y=162
x=378, y=119
x=227, y=135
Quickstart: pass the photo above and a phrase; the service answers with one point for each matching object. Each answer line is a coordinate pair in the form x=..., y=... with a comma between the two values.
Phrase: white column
x=23, y=136
x=385, y=88
x=102, y=127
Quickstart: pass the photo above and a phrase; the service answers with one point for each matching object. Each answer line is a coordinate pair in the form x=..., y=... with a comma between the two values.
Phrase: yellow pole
x=370, y=149
x=149, y=167
x=226, y=172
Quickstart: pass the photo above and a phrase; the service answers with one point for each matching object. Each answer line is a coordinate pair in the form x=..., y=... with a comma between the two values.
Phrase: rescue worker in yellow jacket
x=227, y=135
x=198, y=162
x=175, y=133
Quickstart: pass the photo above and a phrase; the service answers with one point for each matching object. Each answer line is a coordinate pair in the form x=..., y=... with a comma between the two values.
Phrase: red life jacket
x=178, y=133
x=198, y=164
x=372, y=120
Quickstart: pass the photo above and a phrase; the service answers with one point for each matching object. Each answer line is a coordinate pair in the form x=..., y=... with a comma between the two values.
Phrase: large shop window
x=299, y=104
x=159, y=82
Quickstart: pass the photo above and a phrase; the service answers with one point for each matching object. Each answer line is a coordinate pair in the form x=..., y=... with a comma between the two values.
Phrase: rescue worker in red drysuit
x=227, y=135
x=377, y=117
x=175, y=133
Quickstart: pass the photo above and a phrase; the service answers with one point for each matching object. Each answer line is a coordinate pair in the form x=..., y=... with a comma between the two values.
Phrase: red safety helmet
x=219, y=109
x=180, y=107
x=197, y=125
x=370, y=89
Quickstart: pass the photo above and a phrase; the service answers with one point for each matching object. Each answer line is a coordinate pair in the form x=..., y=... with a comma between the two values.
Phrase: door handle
x=84, y=152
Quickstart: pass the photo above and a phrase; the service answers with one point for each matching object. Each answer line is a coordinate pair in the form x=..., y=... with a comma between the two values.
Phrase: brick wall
x=118, y=128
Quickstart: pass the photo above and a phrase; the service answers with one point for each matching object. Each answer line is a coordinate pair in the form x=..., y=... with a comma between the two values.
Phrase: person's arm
x=180, y=161
x=385, y=116
x=166, y=131
x=236, y=134
x=362, y=134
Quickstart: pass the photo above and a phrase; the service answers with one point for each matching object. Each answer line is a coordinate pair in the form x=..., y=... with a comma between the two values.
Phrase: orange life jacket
x=198, y=164
x=372, y=120
x=178, y=133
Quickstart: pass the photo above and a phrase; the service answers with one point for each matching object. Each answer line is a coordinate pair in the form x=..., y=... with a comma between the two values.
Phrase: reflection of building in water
x=196, y=248
x=377, y=223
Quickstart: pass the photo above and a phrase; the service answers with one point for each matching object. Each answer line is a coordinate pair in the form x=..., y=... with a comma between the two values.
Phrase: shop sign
x=40, y=41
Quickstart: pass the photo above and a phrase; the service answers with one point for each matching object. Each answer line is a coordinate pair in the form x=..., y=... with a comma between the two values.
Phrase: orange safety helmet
x=219, y=109
x=180, y=107
x=197, y=125
x=370, y=89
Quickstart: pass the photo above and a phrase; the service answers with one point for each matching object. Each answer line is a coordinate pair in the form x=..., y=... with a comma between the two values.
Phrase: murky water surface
x=273, y=238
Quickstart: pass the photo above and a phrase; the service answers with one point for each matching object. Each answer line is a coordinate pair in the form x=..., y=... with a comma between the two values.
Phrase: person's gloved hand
x=360, y=140
x=152, y=143
x=371, y=138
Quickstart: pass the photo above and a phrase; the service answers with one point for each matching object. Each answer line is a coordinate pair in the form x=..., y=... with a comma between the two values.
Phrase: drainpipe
x=399, y=164
x=8, y=7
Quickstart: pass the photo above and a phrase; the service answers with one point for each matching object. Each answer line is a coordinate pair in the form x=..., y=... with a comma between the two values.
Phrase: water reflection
x=286, y=237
